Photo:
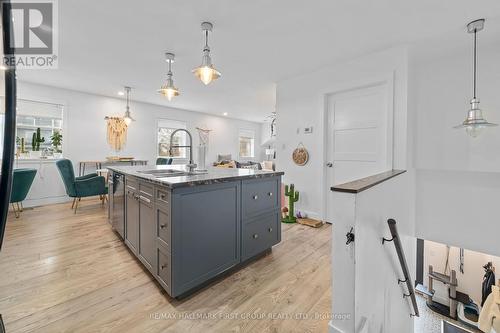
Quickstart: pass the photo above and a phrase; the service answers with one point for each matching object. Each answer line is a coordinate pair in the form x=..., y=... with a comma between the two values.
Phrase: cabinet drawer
x=260, y=234
x=162, y=197
x=131, y=184
x=259, y=195
x=146, y=189
x=163, y=227
x=164, y=269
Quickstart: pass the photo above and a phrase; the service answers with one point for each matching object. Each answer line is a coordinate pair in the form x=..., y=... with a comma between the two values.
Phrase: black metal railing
x=404, y=266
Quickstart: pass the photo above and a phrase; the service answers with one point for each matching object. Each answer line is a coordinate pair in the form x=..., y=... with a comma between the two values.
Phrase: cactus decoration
x=23, y=148
x=36, y=140
x=293, y=197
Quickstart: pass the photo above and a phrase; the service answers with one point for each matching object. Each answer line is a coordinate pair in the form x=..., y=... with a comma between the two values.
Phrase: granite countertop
x=213, y=176
x=362, y=184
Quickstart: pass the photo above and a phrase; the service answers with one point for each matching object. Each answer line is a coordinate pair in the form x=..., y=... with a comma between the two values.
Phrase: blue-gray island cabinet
x=186, y=230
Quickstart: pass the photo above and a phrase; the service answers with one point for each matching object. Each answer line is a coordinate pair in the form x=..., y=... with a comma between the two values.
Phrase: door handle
x=329, y=164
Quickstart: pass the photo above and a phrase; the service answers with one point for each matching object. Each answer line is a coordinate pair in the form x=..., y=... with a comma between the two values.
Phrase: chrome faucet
x=191, y=166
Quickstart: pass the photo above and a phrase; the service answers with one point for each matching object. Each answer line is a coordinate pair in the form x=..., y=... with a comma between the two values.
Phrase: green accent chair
x=80, y=187
x=164, y=161
x=22, y=180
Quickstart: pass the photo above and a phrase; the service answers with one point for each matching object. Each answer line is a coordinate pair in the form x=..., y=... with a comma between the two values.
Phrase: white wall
x=365, y=273
x=443, y=89
x=85, y=127
x=458, y=179
x=301, y=103
x=469, y=282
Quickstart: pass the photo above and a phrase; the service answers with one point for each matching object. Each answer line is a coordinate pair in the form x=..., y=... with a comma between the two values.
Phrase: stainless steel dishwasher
x=116, y=190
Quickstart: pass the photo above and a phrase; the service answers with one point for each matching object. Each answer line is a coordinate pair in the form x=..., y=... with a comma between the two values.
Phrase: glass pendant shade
x=474, y=123
x=127, y=117
x=168, y=89
x=206, y=72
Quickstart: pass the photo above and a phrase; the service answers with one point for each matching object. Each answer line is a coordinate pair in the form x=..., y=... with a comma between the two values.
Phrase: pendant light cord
x=474, y=70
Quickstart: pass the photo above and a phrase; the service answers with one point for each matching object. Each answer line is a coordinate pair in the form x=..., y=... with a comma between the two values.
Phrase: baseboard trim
x=45, y=201
x=333, y=329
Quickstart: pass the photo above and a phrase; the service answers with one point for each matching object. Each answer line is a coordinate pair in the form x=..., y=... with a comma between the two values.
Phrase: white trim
x=248, y=133
x=177, y=124
x=333, y=329
x=323, y=96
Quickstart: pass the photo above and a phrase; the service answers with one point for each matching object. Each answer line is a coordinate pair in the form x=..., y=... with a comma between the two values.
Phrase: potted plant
x=35, y=144
x=56, y=140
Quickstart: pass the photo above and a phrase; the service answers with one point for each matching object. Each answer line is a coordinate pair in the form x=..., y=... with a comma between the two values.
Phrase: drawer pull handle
x=162, y=226
x=162, y=196
x=255, y=236
x=270, y=229
x=270, y=194
x=255, y=197
x=163, y=267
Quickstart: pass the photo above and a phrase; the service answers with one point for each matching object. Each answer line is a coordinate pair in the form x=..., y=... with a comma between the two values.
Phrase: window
x=32, y=115
x=165, y=129
x=246, y=143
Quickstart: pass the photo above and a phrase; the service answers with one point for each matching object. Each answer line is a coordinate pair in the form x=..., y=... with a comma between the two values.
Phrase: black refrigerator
x=8, y=80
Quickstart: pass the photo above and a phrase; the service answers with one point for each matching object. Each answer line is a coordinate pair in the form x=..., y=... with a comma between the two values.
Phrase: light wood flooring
x=61, y=272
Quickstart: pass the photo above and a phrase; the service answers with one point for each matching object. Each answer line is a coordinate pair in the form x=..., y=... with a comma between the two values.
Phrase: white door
x=359, y=141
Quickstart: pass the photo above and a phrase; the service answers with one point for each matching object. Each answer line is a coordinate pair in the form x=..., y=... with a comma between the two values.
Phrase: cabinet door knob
x=270, y=229
x=255, y=197
x=163, y=267
x=162, y=226
x=270, y=194
x=255, y=236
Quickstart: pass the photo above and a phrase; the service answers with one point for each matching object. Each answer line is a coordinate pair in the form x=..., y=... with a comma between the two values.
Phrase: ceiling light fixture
x=224, y=114
x=206, y=72
x=474, y=122
x=121, y=93
x=168, y=89
x=127, y=117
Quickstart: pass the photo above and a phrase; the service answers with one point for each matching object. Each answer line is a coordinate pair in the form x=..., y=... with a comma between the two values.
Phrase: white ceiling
x=104, y=45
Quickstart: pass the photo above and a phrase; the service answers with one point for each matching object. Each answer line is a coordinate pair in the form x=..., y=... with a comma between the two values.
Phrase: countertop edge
x=363, y=184
x=195, y=182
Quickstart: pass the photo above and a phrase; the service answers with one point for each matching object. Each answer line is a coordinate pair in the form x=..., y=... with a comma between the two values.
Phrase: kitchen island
x=186, y=227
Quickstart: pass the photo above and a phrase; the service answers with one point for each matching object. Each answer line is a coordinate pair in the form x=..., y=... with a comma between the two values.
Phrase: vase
x=202, y=157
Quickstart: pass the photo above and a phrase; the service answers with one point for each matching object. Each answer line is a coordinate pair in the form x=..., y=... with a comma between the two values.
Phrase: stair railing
x=404, y=266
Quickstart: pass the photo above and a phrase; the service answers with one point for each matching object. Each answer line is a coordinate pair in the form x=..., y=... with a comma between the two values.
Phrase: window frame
x=247, y=134
x=172, y=124
x=60, y=104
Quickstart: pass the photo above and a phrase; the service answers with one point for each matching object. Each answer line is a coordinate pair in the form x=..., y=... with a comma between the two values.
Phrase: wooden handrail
x=404, y=265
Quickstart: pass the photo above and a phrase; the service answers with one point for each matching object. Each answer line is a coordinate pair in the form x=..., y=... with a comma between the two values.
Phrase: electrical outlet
x=308, y=130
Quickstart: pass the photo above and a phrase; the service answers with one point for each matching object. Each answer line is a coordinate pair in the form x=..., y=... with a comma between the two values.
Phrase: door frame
x=368, y=82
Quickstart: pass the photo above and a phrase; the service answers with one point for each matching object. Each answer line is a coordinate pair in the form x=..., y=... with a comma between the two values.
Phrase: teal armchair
x=21, y=183
x=81, y=187
x=164, y=161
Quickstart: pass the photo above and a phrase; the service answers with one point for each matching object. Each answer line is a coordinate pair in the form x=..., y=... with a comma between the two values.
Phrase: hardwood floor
x=61, y=272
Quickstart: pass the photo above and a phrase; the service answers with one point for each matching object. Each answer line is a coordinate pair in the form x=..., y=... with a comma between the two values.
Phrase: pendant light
x=127, y=117
x=168, y=89
x=206, y=72
x=474, y=123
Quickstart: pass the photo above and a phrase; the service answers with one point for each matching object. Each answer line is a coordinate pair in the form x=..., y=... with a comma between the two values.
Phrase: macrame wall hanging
x=116, y=132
